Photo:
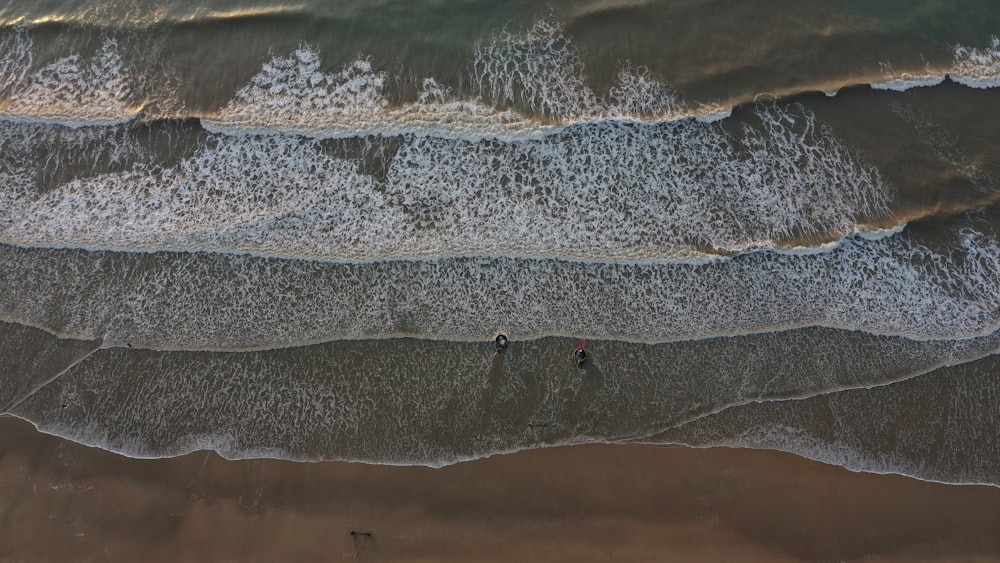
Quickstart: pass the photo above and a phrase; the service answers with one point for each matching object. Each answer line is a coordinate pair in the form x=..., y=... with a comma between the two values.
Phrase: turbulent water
x=293, y=231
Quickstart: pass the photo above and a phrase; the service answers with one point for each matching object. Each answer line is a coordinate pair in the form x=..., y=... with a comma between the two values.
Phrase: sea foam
x=971, y=66
x=293, y=95
x=524, y=86
x=74, y=91
x=433, y=403
x=977, y=68
x=892, y=286
x=606, y=191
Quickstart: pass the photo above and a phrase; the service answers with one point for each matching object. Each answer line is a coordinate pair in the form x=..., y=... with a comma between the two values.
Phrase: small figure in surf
x=501, y=343
x=580, y=354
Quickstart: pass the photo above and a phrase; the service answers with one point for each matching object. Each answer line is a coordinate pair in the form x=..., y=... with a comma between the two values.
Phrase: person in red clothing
x=580, y=354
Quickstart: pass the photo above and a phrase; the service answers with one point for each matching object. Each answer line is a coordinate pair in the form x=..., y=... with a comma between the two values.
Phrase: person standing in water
x=501, y=343
x=580, y=354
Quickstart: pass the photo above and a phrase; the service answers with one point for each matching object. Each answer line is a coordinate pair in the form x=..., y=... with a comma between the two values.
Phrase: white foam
x=713, y=114
x=866, y=234
x=398, y=402
x=977, y=68
x=293, y=95
x=609, y=191
x=16, y=57
x=906, y=81
x=891, y=286
x=639, y=94
x=879, y=234
x=72, y=91
x=538, y=73
x=540, y=70
x=903, y=81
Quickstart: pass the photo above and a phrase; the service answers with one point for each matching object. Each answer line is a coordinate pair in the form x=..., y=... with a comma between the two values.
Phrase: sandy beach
x=62, y=501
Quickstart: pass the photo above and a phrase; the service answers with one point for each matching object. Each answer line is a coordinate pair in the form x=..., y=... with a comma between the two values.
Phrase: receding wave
x=31, y=359
x=940, y=427
x=433, y=403
x=209, y=301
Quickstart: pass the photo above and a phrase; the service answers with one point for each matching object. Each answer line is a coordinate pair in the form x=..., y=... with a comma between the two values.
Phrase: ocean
x=293, y=230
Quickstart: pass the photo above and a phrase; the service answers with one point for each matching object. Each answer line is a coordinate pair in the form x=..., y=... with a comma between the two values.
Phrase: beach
x=64, y=502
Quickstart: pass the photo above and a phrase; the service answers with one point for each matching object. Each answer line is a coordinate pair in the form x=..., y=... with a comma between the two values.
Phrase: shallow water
x=294, y=231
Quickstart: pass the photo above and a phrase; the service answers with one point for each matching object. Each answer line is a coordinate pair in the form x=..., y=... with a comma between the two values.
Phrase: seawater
x=294, y=231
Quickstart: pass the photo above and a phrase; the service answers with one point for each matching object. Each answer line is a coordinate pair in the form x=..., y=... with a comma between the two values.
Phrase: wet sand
x=60, y=501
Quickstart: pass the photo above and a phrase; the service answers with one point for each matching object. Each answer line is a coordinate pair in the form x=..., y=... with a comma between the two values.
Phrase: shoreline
x=576, y=503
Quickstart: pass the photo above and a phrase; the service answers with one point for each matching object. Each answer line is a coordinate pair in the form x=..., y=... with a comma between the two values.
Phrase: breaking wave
x=971, y=66
x=606, y=191
x=74, y=91
x=525, y=86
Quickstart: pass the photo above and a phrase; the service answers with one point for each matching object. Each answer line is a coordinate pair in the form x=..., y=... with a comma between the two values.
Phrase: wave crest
x=73, y=90
x=977, y=68
x=608, y=191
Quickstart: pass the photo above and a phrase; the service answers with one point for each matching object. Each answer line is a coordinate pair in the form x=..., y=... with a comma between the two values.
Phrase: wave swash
x=313, y=272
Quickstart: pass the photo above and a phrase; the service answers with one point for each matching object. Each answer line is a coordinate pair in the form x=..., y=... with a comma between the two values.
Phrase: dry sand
x=60, y=501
